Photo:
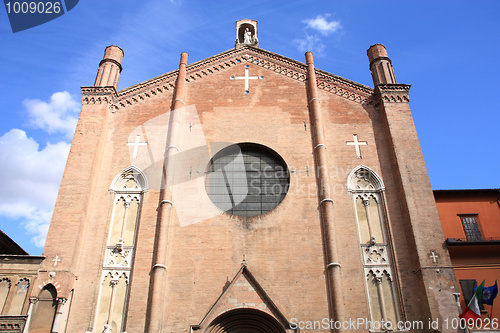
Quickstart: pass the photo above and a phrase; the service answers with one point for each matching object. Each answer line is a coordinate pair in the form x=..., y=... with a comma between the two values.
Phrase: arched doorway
x=245, y=321
x=44, y=311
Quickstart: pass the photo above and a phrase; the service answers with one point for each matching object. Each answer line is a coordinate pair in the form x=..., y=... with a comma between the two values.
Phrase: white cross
x=356, y=143
x=247, y=78
x=433, y=256
x=136, y=144
x=55, y=260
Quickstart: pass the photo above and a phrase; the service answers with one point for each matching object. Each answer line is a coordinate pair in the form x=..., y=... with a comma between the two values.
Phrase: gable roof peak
x=290, y=68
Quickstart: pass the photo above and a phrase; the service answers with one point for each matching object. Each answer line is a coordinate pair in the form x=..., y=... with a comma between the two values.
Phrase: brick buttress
x=157, y=298
x=332, y=266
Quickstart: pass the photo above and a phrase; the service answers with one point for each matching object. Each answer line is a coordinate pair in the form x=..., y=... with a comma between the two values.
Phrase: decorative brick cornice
x=393, y=93
x=344, y=88
x=98, y=95
x=12, y=323
x=259, y=57
x=146, y=89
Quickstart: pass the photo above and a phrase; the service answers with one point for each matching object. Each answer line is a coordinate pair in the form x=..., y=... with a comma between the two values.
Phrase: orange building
x=471, y=225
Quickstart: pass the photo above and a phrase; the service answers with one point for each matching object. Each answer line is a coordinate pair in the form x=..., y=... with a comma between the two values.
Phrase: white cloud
x=321, y=24
x=32, y=175
x=31, y=181
x=310, y=43
x=312, y=40
x=59, y=115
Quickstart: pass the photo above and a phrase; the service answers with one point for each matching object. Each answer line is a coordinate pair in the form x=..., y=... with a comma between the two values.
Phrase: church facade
x=246, y=192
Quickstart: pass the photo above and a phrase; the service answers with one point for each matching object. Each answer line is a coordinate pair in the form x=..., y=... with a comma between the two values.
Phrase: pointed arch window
x=367, y=191
x=4, y=292
x=44, y=311
x=128, y=187
x=20, y=292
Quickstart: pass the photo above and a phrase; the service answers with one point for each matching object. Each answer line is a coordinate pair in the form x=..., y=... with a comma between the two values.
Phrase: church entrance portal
x=245, y=321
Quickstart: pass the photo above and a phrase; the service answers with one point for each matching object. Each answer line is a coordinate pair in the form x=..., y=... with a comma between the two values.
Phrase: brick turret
x=110, y=67
x=380, y=65
x=434, y=282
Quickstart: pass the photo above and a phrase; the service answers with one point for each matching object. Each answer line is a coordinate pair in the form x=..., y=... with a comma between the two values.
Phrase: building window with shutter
x=471, y=227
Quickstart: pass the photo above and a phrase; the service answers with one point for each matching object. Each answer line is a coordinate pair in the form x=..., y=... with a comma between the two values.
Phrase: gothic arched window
x=44, y=310
x=20, y=292
x=4, y=292
x=367, y=191
x=128, y=188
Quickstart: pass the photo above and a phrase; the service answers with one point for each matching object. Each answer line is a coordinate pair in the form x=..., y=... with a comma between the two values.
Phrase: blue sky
x=447, y=50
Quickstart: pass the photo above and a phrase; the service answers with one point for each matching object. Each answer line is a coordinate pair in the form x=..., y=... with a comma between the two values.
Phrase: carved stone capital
x=33, y=300
x=393, y=93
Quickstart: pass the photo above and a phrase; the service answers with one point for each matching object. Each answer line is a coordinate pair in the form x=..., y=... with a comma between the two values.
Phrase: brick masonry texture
x=284, y=247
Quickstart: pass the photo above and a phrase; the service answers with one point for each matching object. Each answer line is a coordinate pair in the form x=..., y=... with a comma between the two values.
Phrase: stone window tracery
x=128, y=188
x=367, y=190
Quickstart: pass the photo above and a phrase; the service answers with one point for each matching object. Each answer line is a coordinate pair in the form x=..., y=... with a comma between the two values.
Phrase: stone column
x=113, y=284
x=366, y=203
x=121, y=241
x=59, y=310
x=33, y=301
x=380, y=290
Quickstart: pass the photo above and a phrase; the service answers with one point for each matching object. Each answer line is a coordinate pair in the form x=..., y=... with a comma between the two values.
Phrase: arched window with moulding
x=19, y=300
x=44, y=310
x=128, y=189
x=368, y=197
x=4, y=292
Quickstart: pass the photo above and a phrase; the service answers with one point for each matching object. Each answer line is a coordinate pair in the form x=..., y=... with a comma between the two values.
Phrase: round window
x=247, y=179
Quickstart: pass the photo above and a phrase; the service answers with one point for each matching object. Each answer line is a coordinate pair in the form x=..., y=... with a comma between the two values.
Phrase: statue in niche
x=247, y=37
